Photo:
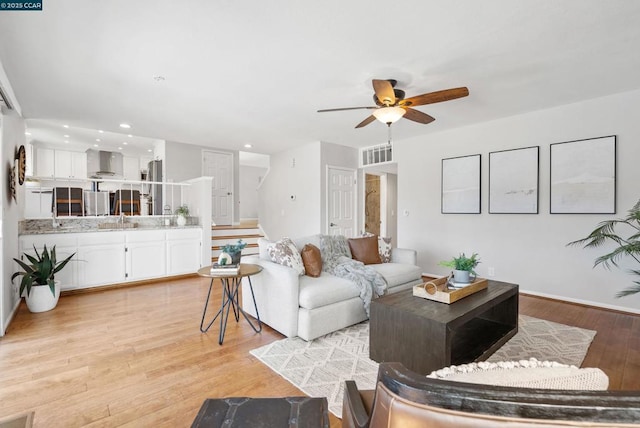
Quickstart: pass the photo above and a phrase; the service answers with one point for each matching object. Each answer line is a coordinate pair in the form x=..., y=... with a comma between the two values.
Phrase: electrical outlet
x=491, y=271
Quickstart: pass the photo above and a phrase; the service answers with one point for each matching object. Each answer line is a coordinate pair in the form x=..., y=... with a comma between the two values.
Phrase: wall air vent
x=374, y=155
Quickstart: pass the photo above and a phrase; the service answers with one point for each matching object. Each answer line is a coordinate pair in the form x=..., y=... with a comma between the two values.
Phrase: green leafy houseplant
x=40, y=270
x=182, y=210
x=462, y=262
x=234, y=248
x=606, y=232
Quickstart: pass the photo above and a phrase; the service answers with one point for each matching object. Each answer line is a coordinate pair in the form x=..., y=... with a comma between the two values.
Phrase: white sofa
x=311, y=307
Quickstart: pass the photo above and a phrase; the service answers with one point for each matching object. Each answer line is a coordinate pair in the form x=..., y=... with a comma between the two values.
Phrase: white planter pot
x=41, y=299
x=181, y=220
x=461, y=276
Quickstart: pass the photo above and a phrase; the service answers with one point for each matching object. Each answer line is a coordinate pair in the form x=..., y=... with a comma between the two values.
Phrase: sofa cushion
x=263, y=248
x=312, y=239
x=398, y=273
x=284, y=252
x=365, y=249
x=312, y=260
x=325, y=290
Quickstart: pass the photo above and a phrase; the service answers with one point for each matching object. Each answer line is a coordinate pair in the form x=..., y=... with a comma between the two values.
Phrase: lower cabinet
x=145, y=255
x=103, y=258
x=183, y=251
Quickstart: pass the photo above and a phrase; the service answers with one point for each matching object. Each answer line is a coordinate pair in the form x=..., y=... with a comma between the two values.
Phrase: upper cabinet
x=60, y=163
x=70, y=164
x=131, y=168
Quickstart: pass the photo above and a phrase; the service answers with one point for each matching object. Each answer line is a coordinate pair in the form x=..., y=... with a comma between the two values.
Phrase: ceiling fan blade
x=366, y=121
x=435, y=97
x=417, y=116
x=384, y=92
x=345, y=108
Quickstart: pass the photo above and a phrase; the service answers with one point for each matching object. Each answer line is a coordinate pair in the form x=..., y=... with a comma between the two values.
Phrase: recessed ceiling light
x=66, y=141
x=125, y=143
x=98, y=140
x=130, y=136
x=27, y=133
x=125, y=125
x=66, y=136
x=95, y=145
x=149, y=150
x=248, y=146
x=100, y=131
x=65, y=126
x=119, y=148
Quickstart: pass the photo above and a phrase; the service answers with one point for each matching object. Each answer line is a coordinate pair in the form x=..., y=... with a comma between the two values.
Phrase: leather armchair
x=405, y=399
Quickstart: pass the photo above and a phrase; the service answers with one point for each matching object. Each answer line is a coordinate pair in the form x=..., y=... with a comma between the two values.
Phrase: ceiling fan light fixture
x=388, y=115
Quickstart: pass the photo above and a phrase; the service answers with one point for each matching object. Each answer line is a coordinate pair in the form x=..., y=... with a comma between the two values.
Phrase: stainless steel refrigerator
x=155, y=190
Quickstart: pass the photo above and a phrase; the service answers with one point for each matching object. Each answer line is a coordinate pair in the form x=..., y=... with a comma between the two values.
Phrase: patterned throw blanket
x=336, y=260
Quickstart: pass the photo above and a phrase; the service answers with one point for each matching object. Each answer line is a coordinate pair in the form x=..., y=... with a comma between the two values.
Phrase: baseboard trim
x=12, y=314
x=100, y=288
x=580, y=302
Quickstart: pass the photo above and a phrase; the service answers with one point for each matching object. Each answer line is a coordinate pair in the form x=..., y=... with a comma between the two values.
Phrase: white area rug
x=320, y=367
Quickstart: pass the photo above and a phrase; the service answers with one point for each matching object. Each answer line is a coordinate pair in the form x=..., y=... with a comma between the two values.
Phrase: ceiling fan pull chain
x=389, y=126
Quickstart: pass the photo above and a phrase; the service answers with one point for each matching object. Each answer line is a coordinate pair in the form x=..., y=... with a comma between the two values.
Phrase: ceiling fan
x=391, y=105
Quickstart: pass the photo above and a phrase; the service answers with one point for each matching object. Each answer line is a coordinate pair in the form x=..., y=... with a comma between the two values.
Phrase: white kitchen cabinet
x=183, y=251
x=101, y=258
x=65, y=245
x=131, y=168
x=145, y=251
x=70, y=164
x=45, y=161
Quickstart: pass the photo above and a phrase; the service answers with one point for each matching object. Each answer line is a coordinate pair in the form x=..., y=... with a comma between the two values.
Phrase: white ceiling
x=255, y=72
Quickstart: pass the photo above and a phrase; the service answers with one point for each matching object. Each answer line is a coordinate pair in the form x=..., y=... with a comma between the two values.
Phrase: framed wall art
x=461, y=185
x=513, y=181
x=583, y=176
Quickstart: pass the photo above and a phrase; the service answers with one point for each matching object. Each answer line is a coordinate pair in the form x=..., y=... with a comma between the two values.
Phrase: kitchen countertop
x=73, y=229
x=92, y=224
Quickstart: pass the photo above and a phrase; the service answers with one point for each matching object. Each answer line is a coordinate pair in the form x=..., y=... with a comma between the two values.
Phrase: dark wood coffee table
x=425, y=335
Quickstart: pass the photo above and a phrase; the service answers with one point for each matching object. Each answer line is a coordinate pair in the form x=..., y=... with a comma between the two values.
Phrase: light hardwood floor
x=135, y=356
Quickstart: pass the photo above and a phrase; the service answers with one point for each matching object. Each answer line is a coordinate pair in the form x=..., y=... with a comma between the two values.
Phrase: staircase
x=222, y=235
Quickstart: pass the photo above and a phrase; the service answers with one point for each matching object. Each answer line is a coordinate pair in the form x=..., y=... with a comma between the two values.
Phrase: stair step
x=219, y=247
x=236, y=237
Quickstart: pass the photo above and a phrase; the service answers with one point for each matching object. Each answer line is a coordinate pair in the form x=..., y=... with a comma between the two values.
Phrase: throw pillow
x=384, y=248
x=285, y=253
x=365, y=250
x=312, y=260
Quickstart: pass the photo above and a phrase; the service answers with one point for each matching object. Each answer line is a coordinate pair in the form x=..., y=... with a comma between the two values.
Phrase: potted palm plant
x=605, y=232
x=39, y=287
x=463, y=267
x=182, y=212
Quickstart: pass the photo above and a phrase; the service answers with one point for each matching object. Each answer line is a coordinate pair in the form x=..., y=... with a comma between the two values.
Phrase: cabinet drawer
x=145, y=236
x=59, y=240
x=101, y=238
x=184, y=234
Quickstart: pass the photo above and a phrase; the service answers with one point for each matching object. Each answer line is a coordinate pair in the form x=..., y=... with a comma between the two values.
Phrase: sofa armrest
x=404, y=255
x=276, y=290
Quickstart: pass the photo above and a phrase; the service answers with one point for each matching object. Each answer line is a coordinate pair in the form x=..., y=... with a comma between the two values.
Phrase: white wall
x=294, y=172
x=391, y=194
x=526, y=249
x=11, y=138
x=250, y=177
x=184, y=162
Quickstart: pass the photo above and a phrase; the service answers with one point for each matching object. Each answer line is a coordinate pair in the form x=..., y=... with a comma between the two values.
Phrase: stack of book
x=231, y=269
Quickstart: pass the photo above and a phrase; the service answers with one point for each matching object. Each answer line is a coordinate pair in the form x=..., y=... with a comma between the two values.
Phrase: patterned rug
x=320, y=367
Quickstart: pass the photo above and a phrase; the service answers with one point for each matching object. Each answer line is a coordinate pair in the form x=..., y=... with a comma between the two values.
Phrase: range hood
x=101, y=163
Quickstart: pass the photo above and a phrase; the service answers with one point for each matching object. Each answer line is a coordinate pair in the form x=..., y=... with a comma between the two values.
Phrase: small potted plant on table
x=39, y=287
x=231, y=253
x=463, y=267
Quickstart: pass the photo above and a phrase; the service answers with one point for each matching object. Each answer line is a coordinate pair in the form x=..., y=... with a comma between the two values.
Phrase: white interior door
x=219, y=165
x=341, y=204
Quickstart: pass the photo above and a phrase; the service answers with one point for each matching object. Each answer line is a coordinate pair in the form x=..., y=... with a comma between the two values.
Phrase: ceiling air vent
x=374, y=155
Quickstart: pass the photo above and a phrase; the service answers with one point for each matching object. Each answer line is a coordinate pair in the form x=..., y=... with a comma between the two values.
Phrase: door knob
x=332, y=224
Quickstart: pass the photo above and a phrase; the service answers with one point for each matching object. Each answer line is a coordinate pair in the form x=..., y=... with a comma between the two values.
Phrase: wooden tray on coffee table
x=437, y=290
